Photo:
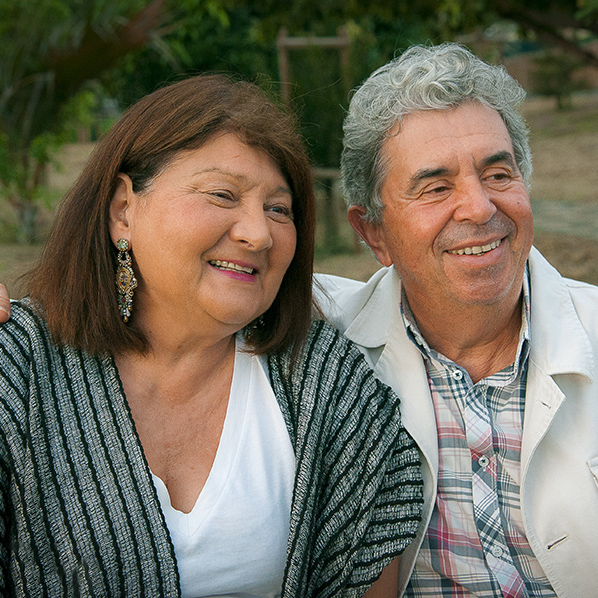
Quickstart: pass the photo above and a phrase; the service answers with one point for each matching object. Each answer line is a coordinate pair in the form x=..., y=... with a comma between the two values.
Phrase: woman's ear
x=370, y=232
x=119, y=205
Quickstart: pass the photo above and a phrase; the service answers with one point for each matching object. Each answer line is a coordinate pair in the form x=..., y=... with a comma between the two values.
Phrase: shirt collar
x=420, y=342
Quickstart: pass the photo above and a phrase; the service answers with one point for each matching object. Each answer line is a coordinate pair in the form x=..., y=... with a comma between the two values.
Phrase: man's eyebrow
x=500, y=157
x=422, y=175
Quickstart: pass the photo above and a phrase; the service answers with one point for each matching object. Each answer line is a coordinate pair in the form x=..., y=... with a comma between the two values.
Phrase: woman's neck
x=175, y=371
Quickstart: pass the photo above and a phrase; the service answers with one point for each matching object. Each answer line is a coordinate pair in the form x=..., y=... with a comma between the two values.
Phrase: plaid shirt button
x=457, y=374
x=497, y=551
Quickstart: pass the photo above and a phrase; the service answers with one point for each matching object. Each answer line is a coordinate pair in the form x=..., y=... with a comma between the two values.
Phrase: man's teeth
x=231, y=266
x=476, y=249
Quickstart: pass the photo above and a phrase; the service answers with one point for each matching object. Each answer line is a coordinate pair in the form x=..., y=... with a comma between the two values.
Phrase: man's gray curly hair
x=422, y=78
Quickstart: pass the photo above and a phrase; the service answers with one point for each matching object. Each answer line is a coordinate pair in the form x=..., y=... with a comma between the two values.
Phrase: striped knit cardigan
x=79, y=514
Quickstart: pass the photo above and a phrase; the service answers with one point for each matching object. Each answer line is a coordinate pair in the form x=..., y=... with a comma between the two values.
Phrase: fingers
x=4, y=304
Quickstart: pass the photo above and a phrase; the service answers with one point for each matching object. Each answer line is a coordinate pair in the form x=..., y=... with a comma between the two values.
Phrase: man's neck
x=481, y=339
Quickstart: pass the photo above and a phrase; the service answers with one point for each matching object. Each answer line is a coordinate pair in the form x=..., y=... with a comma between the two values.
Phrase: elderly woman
x=172, y=419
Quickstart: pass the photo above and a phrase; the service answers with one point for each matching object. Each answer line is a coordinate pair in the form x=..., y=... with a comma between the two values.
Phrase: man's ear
x=371, y=233
x=119, y=205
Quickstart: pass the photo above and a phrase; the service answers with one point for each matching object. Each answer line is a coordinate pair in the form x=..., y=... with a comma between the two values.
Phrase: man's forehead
x=431, y=139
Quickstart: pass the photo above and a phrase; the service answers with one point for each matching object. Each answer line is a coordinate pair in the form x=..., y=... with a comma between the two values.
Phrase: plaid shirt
x=475, y=544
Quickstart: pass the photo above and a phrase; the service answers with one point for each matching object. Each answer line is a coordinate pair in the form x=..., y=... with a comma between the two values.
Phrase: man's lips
x=232, y=267
x=475, y=249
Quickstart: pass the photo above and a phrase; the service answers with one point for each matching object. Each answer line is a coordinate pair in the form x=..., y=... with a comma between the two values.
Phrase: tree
x=49, y=50
x=555, y=22
x=554, y=76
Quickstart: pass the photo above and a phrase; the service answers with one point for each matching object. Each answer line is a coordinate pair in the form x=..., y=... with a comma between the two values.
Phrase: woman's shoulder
x=330, y=369
x=326, y=347
x=24, y=340
x=19, y=338
x=24, y=324
x=323, y=336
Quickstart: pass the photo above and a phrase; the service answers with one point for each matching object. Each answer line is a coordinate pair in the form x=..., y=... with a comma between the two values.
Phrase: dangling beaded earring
x=254, y=328
x=125, y=280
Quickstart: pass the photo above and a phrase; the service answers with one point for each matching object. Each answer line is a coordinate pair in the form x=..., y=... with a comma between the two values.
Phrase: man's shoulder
x=564, y=318
x=342, y=299
x=547, y=285
x=585, y=300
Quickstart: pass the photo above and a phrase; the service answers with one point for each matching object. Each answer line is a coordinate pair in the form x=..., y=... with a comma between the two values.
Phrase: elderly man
x=494, y=354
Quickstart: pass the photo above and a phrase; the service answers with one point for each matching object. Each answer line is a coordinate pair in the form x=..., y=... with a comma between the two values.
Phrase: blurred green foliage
x=554, y=76
x=62, y=60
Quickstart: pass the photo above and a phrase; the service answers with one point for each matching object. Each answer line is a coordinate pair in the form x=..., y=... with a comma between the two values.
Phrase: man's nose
x=474, y=202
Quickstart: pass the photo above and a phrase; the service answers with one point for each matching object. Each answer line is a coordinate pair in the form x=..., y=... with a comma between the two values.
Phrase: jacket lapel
x=379, y=329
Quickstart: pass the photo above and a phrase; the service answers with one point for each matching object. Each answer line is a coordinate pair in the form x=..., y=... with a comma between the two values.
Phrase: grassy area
x=15, y=260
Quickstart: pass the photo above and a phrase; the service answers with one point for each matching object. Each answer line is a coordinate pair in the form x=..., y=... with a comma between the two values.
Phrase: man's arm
x=4, y=304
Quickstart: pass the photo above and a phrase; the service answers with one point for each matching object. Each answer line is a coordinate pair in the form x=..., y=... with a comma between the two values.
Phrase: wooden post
x=284, y=43
x=283, y=66
x=327, y=176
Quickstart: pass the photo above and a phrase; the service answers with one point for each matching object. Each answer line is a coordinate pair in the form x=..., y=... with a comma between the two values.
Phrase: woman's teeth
x=476, y=249
x=222, y=265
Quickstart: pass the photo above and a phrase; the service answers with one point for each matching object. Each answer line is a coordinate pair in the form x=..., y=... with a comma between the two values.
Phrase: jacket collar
x=557, y=349
x=559, y=342
x=376, y=310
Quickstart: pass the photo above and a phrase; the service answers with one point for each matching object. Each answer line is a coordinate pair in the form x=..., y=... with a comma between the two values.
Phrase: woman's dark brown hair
x=74, y=285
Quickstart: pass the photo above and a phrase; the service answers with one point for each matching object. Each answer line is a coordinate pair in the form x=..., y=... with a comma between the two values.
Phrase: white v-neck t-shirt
x=233, y=542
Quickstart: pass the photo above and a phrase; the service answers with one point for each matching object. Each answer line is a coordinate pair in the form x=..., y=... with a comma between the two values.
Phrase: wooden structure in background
x=284, y=43
x=326, y=176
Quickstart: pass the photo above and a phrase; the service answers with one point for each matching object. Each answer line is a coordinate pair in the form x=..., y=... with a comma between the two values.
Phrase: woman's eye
x=221, y=194
x=281, y=210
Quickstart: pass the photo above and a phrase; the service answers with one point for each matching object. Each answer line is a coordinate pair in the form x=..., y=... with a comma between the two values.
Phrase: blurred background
x=68, y=68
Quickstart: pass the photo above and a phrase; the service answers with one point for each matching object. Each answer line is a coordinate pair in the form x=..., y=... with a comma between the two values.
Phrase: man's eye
x=498, y=177
x=436, y=190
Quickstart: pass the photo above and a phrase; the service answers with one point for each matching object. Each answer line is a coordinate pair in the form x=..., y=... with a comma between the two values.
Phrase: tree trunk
x=27, y=213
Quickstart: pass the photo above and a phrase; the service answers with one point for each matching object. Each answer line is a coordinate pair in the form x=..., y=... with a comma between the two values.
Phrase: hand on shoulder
x=4, y=304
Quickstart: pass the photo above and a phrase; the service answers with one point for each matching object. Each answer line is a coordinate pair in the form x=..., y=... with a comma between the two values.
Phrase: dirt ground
x=565, y=149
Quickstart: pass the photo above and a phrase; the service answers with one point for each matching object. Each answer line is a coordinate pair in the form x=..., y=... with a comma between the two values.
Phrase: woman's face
x=211, y=239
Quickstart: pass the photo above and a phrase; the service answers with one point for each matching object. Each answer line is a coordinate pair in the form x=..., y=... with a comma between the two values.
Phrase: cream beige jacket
x=559, y=486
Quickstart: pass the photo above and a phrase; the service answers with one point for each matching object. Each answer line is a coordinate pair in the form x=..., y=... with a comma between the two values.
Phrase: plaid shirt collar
x=523, y=347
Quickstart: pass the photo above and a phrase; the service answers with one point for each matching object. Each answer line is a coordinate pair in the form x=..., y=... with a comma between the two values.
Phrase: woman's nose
x=252, y=228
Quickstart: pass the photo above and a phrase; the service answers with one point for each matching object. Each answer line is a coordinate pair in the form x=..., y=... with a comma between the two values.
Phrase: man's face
x=457, y=221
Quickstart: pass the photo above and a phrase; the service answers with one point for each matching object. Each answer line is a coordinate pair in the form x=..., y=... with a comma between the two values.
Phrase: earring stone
x=125, y=280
